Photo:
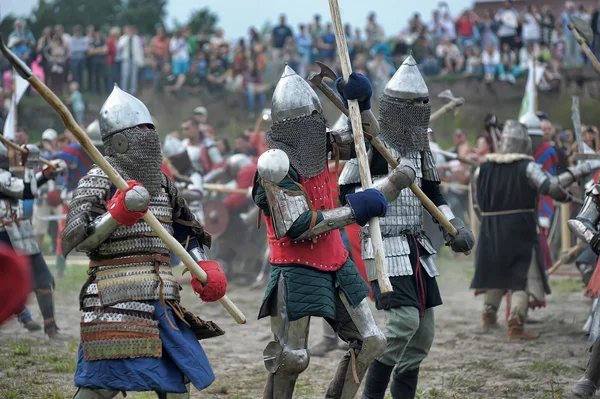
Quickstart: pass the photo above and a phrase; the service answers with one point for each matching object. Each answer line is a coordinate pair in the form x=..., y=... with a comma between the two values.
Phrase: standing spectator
x=191, y=39
x=77, y=54
x=473, y=65
x=359, y=44
x=97, y=54
x=113, y=59
x=465, y=27
x=278, y=38
x=435, y=28
x=253, y=36
x=374, y=31
x=450, y=56
x=76, y=102
x=180, y=53
x=548, y=25
x=572, y=49
x=65, y=37
x=491, y=61
x=487, y=30
x=22, y=42
x=425, y=57
x=89, y=37
x=290, y=53
x=56, y=57
x=255, y=92
x=596, y=30
x=132, y=58
x=380, y=72
x=531, y=32
x=304, y=43
x=160, y=52
x=508, y=21
x=327, y=45
x=42, y=43
x=317, y=29
x=447, y=22
x=349, y=41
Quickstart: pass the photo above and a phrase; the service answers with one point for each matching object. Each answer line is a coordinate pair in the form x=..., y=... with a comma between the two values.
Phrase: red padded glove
x=216, y=282
x=118, y=210
x=15, y=282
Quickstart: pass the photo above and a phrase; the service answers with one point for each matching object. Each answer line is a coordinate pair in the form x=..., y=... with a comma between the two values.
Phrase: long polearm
x=23, y=151
x=361, y=151
x=113, y=175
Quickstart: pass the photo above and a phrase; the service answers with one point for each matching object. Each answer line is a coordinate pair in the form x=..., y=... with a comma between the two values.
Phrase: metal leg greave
x=356, y=361
x=88, y=393
x=286, y=357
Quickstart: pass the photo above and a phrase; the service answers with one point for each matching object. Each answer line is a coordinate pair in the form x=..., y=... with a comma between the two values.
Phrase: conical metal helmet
x=93, y=132
x=121, y=111
x=533, y=124
x=293, y=97
x=407, y=83
x=514, y=139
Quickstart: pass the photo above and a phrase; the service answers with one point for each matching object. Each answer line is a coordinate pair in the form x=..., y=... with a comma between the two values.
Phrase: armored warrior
x=203, y=152
x=505, y=192
x=311, y=274
x=404, y=117
x=135, y=336
x=585, y=226
x=16, y=230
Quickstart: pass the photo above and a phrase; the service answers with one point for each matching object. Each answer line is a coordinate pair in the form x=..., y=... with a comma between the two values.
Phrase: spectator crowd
x=496, y=45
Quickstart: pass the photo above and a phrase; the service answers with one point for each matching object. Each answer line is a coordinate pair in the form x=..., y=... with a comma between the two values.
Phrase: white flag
x=528, y=102
x=9, y=124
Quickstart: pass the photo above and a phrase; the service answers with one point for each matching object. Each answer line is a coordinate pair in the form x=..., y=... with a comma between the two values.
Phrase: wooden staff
x=24, y=151
x=219, y=188
x=575, y=251
x=361, y=151
x=113, y=175
x=174, y=171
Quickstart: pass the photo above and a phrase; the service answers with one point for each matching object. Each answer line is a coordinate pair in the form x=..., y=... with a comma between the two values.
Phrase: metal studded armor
x=299, y=127
x=404, y=217
x=128, y=264
x=12, y=189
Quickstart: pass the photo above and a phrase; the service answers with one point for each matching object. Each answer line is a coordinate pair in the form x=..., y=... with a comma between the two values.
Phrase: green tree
x=69, y=13
x=203, y=20
x=7, y=25
x=147, y=15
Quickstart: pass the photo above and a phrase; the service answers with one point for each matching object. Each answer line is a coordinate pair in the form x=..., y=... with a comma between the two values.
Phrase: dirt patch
x=464, y=362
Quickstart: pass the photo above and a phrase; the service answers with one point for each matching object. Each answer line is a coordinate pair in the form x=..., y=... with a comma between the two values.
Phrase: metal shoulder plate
x=89, y=201
x=430, y=172
x=285, y=207
x=537, y=176
x=11, y=186
x=350, y=174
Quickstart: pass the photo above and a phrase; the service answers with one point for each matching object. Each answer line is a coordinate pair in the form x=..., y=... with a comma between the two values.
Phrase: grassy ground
x=464, y=361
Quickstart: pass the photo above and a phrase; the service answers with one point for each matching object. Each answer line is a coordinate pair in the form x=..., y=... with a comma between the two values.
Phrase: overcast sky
x=235, y=16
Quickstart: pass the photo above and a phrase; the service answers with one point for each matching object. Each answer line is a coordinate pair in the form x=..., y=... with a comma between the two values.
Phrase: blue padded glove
x=358, y=88
x=367, y=204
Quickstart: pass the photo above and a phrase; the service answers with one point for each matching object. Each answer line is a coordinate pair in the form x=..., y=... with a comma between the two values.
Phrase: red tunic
x=328, y=252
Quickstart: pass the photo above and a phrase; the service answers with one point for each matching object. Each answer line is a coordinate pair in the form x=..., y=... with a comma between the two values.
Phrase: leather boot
x=516, y=330
x=378, y=378
x=587, y=386
x=404, y=385
x=324, y=347
x=45, y=300
x=489, y=318
x=25, y=319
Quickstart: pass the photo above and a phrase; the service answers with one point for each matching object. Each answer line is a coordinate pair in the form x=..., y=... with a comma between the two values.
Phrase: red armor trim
x=325, y=252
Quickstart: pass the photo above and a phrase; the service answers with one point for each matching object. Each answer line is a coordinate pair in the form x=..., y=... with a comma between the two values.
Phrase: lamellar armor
x=128, y=265
x=404, y=118
x=12, y=192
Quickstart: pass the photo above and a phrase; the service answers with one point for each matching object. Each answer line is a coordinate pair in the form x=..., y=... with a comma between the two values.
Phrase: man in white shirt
x=180, y=53
x=508, y=19
x=132, y=58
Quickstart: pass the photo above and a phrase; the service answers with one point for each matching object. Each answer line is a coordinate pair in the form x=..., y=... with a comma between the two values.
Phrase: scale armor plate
x=284, y=207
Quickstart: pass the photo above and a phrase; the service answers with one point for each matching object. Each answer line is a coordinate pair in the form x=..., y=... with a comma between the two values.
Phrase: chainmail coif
x=142, y=161
x=304, y=140
x=404, y=124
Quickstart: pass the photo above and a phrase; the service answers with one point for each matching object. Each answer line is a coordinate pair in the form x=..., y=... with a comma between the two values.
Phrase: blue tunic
x=182, y=356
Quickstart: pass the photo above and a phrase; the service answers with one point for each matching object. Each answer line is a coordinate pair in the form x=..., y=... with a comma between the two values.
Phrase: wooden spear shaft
x=113, y=175
x=23, y=151
x=361, y=151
